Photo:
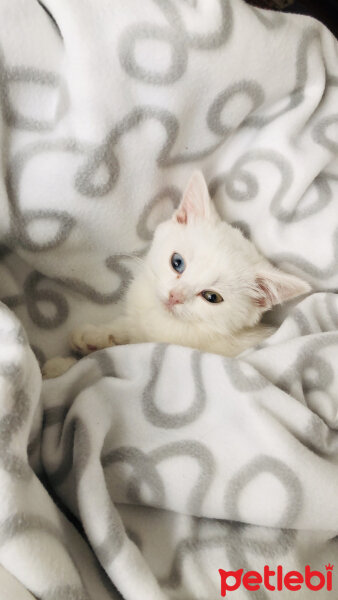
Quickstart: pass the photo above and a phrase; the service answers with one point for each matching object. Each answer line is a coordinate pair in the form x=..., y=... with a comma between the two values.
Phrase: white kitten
x=202, y=285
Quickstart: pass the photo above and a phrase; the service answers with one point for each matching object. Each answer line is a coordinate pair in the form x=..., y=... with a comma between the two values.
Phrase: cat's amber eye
x=211, y=296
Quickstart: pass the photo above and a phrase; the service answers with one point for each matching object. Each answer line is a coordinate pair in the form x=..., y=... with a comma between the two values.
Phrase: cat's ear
x=195, y=201
x=273, y=286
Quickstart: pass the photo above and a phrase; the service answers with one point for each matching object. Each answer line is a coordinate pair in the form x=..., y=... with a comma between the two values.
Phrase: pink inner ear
x=195, y=201
x=274, y=287
x=267, y=298
x=181, y=216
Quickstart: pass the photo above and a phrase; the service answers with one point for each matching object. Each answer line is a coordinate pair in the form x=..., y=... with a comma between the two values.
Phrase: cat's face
x=206, y=272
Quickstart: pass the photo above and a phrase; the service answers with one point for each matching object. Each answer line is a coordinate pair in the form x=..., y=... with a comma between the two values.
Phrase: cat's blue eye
x=211, y=296
x=177, y=262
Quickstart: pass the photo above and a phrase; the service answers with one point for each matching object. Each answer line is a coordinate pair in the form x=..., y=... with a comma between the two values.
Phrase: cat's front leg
x=54, y=367
x=89, y=338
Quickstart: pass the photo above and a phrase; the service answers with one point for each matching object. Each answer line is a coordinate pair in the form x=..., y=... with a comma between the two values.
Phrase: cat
x=202, y=285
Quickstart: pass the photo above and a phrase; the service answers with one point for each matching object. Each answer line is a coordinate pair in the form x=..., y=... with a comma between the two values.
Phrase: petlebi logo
x=276, y=579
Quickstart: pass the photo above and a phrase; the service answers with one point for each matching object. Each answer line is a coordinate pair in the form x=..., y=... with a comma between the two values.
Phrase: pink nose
x=175, y=297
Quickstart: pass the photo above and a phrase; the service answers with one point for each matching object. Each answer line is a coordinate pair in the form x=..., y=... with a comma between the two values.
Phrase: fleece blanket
x=150, y=472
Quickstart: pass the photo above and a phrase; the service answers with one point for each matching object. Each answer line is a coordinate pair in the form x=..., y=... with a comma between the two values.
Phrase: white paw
x=54, y=367
x=89, y=338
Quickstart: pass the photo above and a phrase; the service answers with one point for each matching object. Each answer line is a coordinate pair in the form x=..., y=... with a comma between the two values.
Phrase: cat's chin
x=170, y=310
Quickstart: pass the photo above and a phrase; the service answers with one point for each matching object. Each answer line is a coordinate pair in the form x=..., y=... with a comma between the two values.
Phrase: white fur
x=54, y=367
x=218, y=258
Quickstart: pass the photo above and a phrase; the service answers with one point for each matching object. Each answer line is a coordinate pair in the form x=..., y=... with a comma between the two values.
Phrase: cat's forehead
x=203, y=239
x=215, y=255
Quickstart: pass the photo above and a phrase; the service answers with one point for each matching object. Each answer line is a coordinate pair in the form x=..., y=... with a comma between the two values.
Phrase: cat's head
x=207, y=272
